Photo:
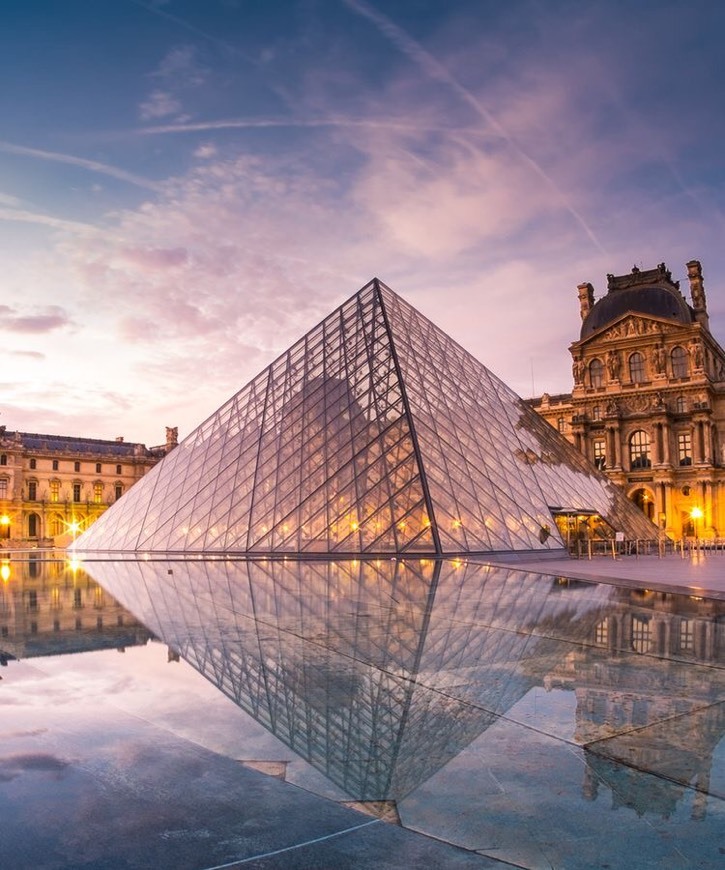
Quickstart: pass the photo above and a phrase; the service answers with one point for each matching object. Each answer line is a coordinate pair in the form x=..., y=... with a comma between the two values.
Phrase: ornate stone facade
x=52, y=487
x=648, y=401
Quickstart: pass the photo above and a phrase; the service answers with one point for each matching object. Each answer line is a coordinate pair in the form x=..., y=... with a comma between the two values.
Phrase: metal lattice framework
x=373, y=434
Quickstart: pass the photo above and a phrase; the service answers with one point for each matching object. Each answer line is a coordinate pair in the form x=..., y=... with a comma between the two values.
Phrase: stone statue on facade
x=613, y=364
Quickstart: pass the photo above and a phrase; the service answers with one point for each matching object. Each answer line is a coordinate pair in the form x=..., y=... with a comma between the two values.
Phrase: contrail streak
x=262, y=123
x=91, y=165
x=432, y=67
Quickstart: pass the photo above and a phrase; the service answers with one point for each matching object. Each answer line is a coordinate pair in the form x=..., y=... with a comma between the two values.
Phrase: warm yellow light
x=74, y=527
x=354, y=526
x=5, y=571
x=74, y=564
x=696, y=513
x=402, y=526
x=456, y=524
x=4, y=520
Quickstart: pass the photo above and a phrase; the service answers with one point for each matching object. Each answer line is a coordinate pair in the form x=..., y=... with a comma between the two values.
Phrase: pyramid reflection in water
x=377, y=674
x=374, y=434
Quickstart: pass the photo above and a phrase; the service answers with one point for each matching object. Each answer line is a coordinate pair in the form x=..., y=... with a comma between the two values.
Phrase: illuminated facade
x=53, y=487
x=375, y=433
x=648, y=402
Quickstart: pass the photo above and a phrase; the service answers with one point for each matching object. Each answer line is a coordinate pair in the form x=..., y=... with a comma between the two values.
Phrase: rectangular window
x=600, y=454
x=55, y=465
x=54, y=490
x=98, y=467
x=118, y=491
x=76, y=466
x=687, y=635
x=33, y=464
x=97, y=493
x=32, y=490
x=119, y=470
x=3, y=487
x=3, y=459
x=561, y=424
x=601, y=633
x=76, y=492
x=684, y=448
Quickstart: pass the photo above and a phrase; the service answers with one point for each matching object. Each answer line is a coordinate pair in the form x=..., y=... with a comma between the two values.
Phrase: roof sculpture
x=375, y=433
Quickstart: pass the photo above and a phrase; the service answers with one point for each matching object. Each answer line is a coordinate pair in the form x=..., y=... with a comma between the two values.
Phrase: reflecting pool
x=534, y=720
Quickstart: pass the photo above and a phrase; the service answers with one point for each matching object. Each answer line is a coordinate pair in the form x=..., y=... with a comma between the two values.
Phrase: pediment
x=633, y=326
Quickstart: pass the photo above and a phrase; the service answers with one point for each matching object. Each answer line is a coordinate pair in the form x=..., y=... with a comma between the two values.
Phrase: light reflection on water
x=472, y=697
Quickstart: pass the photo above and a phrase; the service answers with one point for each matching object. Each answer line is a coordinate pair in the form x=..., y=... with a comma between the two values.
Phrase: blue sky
x=187, y=186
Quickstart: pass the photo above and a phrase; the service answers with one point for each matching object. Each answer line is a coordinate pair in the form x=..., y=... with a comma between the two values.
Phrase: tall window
x=636, y=368
x=76, y=492
x=680, y=365
x=76, y=466
x=639, y=450
x=681, y=404
x=3, y=459
x=97, y=493
x=98, y=467
x=119, y=470
x=596, y=373
x=600, y=453
x=641, y=634
x=3, y=487
x=33, y=464
x=601, y=633
x=597, y=412
x=684, y=448
x=561, y=424
x=54, y=490
x=118, y=490
x=32, y=490
x=687, y=635
x=55, y=465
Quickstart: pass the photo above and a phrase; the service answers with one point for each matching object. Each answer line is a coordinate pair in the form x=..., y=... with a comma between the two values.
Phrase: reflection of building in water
x=374, y=434
x=49, y=608
x=378, y=673
x=640, y=700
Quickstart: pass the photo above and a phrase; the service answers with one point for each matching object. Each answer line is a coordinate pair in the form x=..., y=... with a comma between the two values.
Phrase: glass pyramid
x=375, y=433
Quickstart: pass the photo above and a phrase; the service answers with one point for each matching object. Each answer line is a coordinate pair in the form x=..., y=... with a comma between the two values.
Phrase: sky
x=187, y=186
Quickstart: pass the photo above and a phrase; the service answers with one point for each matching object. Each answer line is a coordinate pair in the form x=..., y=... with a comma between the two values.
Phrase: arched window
x=636, y=368
x=597, y=412
x=33, y=526
x=596, y=373
x=680, y=365
x=681, y=405
x=639, y=450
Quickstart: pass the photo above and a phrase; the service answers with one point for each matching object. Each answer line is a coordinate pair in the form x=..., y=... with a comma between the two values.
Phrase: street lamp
x=696, y=514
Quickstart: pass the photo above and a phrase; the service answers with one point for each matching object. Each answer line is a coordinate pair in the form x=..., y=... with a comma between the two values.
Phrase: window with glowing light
x=3, y=487
x=687, y=635
x=97, y=493
x=54, y=490
x=641, y=634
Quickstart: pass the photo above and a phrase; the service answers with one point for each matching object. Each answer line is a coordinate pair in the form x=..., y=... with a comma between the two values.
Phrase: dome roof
x=659, y=298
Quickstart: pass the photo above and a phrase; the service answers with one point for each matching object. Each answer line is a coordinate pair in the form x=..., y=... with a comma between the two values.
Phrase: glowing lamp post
x=5, y=526
x=696, y=514
x=74, y=527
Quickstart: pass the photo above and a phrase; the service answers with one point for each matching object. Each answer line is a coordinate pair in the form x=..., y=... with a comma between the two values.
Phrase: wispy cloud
x=159, y=104
x=28, y=217
x=438, y=72
x=46, y=320
x=82, y=162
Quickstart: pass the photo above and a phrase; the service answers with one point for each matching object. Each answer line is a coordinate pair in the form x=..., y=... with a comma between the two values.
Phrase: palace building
x=53, y=487
x=648, y=401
